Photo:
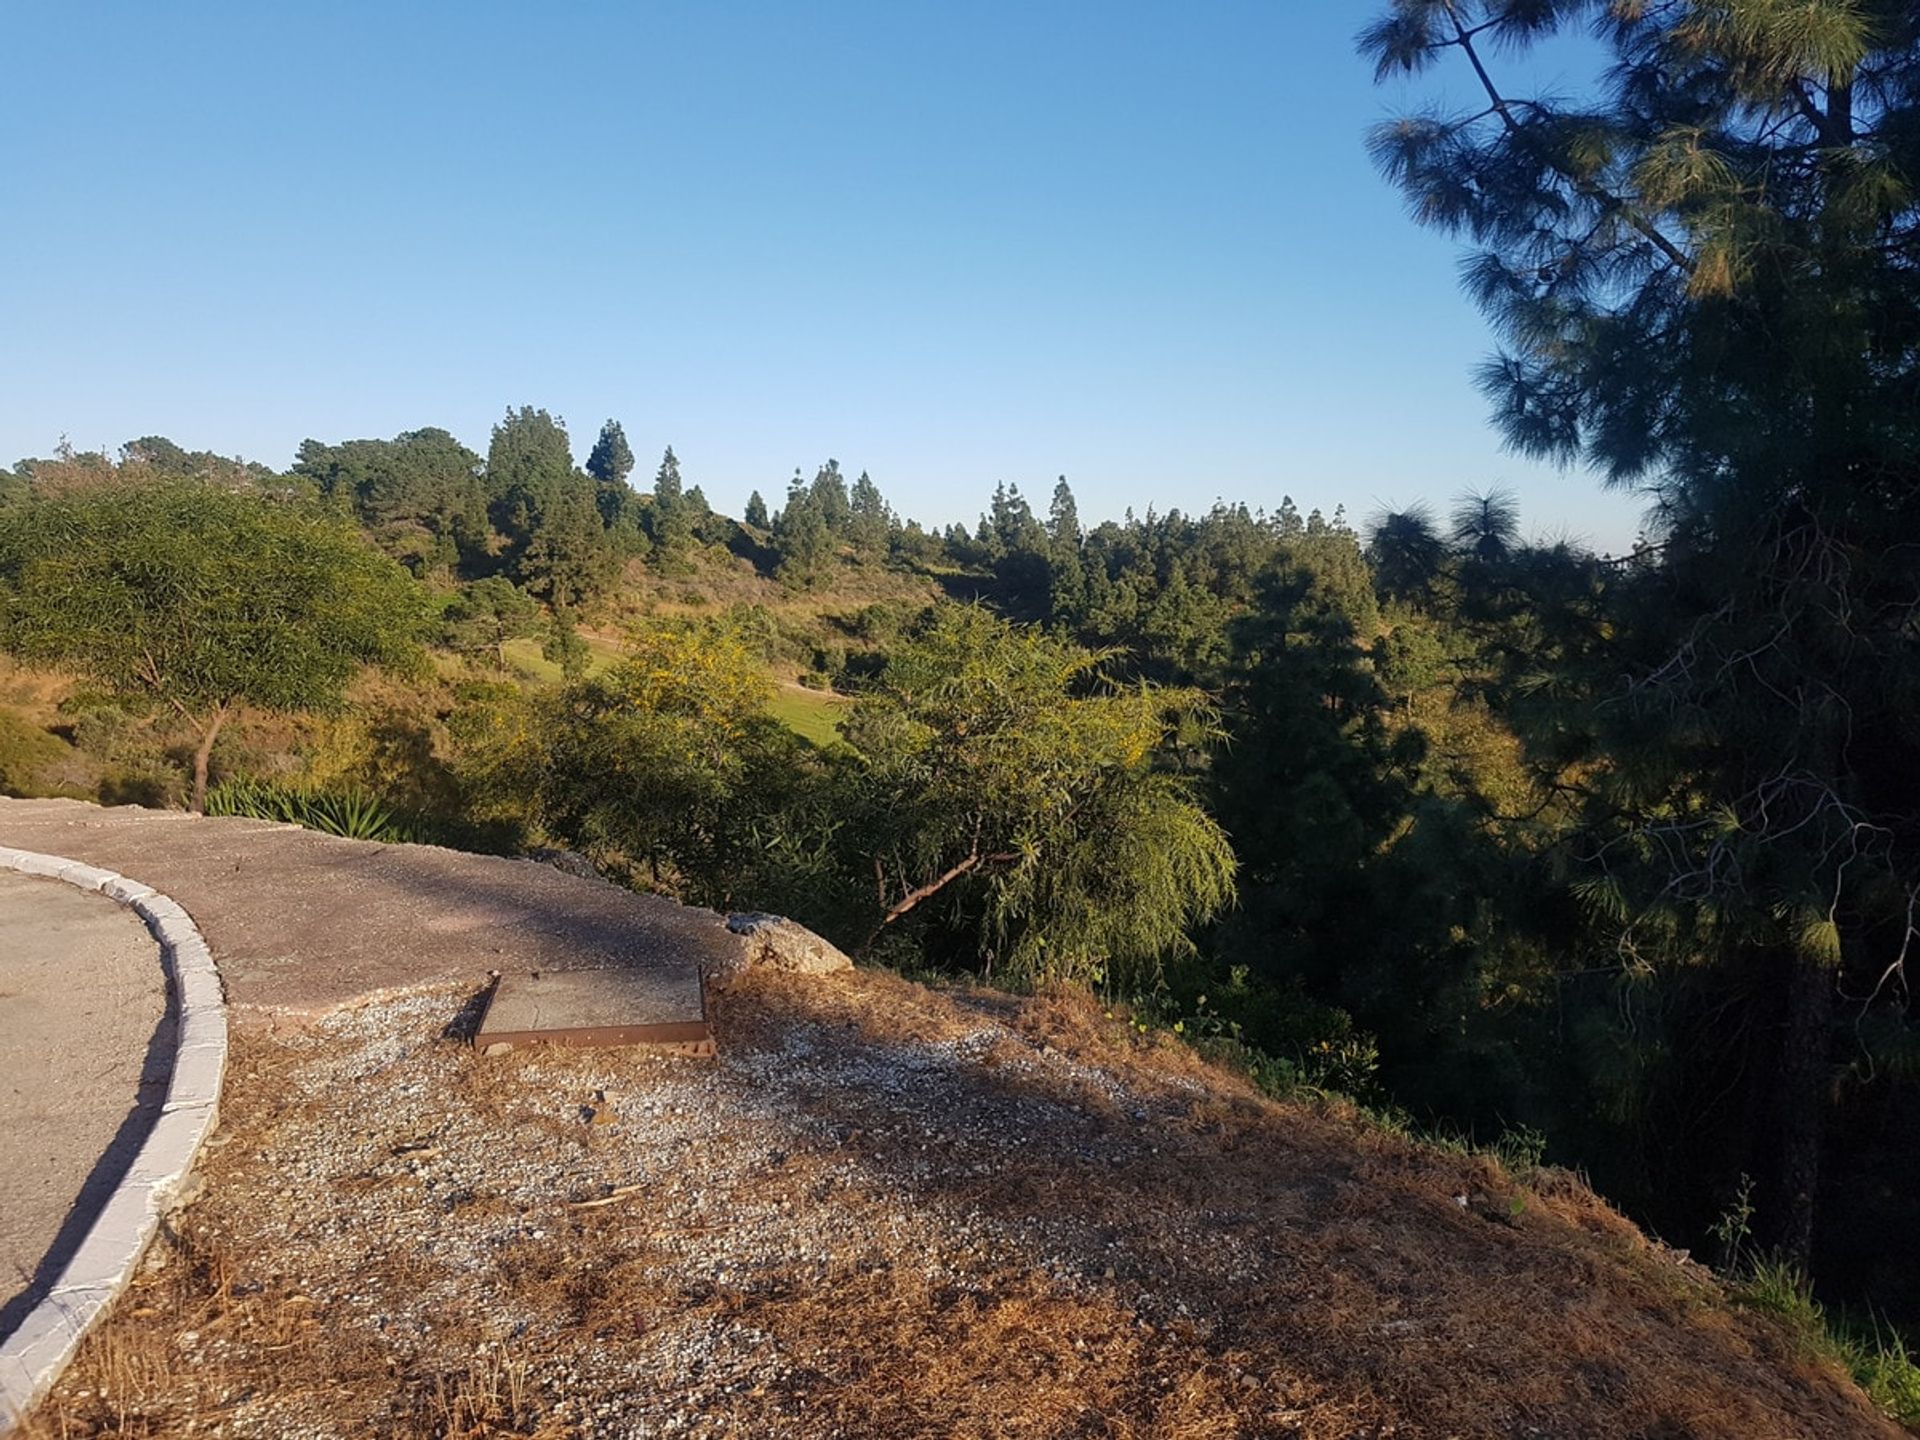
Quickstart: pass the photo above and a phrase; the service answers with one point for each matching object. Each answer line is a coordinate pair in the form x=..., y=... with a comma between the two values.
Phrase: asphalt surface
x=86, y=1049
x=302, y=923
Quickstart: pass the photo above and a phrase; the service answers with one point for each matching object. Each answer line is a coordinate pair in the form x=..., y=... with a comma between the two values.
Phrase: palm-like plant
x=1406, y=551
x=1486, y=523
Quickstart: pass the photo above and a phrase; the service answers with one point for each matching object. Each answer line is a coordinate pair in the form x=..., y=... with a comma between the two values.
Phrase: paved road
x=302, y=922
x=85, y=1051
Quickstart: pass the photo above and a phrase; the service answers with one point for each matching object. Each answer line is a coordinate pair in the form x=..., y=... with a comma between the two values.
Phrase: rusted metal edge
x=686, y=1036
x=678, y=1037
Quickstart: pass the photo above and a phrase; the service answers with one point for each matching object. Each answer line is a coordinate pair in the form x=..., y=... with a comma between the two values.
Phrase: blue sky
x=1140, y=245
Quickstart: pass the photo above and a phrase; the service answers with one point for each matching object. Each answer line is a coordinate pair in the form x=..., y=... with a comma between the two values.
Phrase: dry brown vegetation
x=888, y=1211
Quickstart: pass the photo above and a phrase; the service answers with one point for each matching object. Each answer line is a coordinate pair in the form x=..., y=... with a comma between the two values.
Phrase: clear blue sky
x=949, y=244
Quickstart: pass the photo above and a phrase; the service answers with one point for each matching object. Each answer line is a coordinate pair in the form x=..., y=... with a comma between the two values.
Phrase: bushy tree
x=1004, y=782
x=419, y=495
x=201, y=599
x=665, y=766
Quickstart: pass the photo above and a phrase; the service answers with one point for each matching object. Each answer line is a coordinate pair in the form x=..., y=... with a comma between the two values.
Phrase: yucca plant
x=352, y=813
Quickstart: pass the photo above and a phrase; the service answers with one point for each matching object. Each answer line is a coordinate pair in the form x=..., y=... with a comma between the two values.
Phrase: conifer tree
x=869, y=520
x=801, y=536
x=612, y=458
x=1063, y=516
x=830, y=500
x=1705, y=275
x=1066, y=565
x=672, y=516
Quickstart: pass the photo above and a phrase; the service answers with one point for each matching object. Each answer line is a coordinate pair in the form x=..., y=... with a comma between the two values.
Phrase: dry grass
x=889, y=1211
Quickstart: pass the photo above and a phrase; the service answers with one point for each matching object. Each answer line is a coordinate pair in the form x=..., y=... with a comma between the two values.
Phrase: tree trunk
x=201, y=757
x=1805, y=1075
x=915, y=896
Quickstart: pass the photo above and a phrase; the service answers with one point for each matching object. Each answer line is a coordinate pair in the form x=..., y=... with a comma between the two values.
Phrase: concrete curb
x=32, y=1357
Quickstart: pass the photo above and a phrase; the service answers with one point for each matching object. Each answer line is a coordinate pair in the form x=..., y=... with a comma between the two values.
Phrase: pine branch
x=1463, y=38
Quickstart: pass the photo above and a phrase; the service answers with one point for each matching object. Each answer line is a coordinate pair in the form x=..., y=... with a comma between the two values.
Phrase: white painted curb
x=32, y=1357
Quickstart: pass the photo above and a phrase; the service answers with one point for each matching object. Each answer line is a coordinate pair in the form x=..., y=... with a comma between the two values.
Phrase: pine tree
x=557, y=540
x=756, y=513
x=830, y=498
x=612, y=458
x=1068, y=586
x=563, y=645
x=801, y=536
x=1706, y=279
x=869, y=522
x=672, y=517
x=529, y=464
x=1063, y=516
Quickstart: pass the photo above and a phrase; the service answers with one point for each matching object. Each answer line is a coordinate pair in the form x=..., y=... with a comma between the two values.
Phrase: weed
x=1521, y=1151
x=1734, y=1229
x=1875, y=1354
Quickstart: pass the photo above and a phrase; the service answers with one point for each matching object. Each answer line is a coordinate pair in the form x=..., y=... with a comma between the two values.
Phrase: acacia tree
x=1706, y=278
x=203, y=599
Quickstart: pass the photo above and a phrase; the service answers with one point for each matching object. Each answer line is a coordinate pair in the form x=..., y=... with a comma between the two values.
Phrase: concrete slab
x=85, y=1052
x=655, y=1008
x=304, y=922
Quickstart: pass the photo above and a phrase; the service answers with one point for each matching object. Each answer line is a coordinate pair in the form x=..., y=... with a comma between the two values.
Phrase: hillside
x=888, y=1210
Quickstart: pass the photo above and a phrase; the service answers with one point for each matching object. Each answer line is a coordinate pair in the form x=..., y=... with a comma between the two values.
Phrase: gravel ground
x=881, y=1211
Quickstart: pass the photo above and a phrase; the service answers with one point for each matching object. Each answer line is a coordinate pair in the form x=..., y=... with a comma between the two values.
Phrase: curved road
x=85, y=1053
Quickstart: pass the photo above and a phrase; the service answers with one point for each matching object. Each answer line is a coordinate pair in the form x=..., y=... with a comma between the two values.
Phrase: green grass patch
x=813, y=715
x=524, y=659
x=1876, y=1354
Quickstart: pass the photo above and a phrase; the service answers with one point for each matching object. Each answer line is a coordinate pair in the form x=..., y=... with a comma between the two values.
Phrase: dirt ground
x=886, y=1211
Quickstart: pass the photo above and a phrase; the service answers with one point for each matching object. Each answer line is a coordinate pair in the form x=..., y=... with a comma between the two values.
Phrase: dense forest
x=1610, y=859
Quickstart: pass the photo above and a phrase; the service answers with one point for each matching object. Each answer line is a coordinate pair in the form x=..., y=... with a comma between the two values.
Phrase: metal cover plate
x=598, y=1007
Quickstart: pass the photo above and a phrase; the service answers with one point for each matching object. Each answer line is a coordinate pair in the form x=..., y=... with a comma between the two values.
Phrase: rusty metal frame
x=678, y=1037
